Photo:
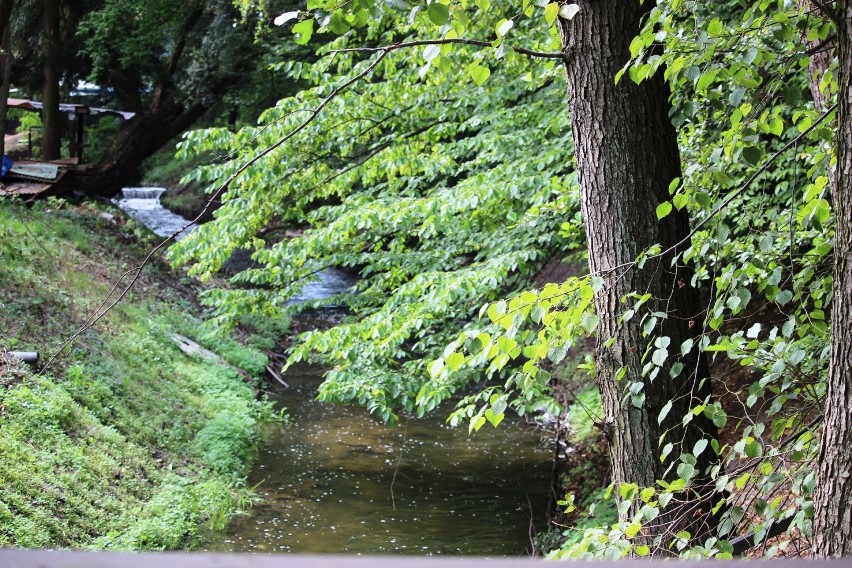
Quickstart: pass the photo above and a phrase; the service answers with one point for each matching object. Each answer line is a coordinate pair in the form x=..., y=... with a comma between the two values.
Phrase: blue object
x=7, y=165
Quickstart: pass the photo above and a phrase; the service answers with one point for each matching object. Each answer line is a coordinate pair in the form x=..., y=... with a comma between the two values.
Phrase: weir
x=143, y=204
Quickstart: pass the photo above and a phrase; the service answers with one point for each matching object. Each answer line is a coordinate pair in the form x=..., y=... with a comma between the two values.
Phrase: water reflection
x=339, y=482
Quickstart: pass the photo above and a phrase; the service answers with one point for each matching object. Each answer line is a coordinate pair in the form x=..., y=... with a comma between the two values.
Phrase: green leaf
x=504, y=26
x=286, y=17
x=476, y=423
x=753, y=449
x=783, y=297
x=664, y=209
x=664, y=412
x=478, y=73
x=337, y=24
x=303, y=31
x=455, y=360
x=686, y=471
x=699, y=447
x=438, y=13
x=589, y=322
x=715, y=28
x=632, y=530
x=431, y=52
x=550, y=13
x=494, y=418
x=788, y=327
x=436, y=367
x=752, y=154
x=648, y=325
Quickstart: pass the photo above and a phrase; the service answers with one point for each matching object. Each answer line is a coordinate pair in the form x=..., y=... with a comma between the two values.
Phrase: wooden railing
x=73, y=559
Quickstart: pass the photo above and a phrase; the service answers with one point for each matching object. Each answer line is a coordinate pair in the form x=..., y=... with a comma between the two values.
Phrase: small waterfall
x=143, y=204
x=143, y=192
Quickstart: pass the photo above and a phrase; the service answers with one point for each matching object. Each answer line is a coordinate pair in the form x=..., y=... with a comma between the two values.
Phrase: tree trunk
x=833, y=495
x=627, y=155
x=818, y=63
x=5, y=67
x=136, y=139
x=51, y=117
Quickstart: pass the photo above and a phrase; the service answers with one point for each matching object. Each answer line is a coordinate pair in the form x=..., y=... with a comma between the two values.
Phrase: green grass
x=126, y=442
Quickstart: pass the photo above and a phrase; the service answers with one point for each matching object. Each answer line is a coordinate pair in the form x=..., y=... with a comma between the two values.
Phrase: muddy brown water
x=338, y=481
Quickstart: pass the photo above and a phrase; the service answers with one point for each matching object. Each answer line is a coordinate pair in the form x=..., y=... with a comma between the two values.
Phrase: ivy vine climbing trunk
x=627, y=156
x=833, y=495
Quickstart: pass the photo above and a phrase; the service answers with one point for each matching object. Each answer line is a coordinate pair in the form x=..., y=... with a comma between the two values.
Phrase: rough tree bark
x=51, y=117
x=833, y=495
x=627, y=155
x=821, y=54
x=5, y=67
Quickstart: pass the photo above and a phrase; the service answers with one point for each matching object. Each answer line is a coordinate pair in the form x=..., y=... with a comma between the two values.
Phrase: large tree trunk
x=51, y=117
x=833, y=495
x=5, y=67
x=818, y=64
x=137, y=139
x=627, y=155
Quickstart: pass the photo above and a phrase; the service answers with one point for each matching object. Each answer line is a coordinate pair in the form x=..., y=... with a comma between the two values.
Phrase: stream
x=338, y=481
x=143, y=204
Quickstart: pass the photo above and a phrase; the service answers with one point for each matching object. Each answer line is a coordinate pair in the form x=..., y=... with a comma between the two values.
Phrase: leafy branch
x=449, y=41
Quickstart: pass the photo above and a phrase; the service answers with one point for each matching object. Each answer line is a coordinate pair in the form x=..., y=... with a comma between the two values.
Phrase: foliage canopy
x=444, y=179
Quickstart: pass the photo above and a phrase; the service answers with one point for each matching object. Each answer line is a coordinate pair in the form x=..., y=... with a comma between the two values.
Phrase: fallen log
x=190, y=347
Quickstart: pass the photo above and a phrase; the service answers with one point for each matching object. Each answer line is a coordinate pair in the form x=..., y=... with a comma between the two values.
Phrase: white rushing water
x=143, y=204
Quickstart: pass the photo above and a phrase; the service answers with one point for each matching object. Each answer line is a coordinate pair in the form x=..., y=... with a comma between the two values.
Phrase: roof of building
x=68, y=108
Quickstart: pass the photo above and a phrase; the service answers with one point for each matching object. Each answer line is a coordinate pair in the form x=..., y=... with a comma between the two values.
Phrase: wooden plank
x=190, y=347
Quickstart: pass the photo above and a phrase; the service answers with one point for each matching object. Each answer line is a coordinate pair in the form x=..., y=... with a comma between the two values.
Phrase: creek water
x=143, y=204
x=338, y=481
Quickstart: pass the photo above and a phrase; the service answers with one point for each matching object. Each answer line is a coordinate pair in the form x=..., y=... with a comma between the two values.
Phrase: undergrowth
x=125, y=442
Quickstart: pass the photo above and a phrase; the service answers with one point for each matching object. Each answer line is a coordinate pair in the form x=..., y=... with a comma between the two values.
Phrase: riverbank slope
x=124, y=442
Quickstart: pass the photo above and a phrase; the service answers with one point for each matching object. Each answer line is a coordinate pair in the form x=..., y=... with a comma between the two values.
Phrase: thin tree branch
x=734, y=194
x=823, y=8
x=101, y=311
x=447, y=41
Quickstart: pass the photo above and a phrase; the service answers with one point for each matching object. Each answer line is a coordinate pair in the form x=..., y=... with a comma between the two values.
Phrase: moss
x=126, y=443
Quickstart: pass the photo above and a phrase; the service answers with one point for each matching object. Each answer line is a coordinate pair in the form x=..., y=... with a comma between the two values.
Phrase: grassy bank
x=125, y=442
